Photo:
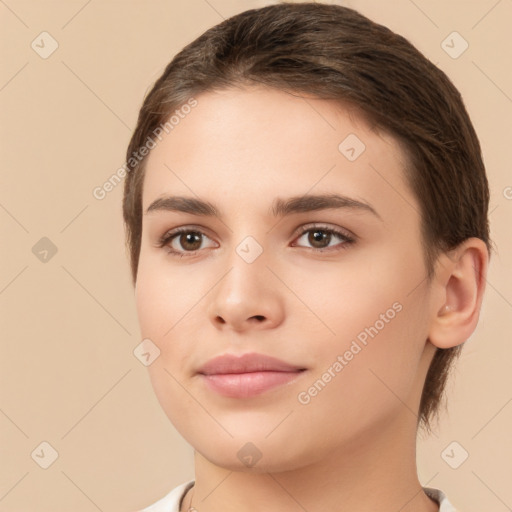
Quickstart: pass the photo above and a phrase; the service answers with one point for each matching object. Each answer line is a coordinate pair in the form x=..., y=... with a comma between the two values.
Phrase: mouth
x=247, y=376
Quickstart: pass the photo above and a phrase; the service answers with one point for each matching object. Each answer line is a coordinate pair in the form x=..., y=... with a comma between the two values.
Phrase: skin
x=352, y=447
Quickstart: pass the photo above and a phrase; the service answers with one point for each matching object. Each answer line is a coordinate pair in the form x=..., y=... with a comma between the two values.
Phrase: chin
x=252, y=454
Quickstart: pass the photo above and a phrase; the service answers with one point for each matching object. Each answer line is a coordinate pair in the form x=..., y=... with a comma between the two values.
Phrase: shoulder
x=441, y=498
x=171, y=501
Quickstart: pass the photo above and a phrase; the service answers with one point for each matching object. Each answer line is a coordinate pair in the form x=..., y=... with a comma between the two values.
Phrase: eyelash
x=166, y=238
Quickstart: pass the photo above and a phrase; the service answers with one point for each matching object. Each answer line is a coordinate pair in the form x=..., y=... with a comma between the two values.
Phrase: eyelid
x=326, y=227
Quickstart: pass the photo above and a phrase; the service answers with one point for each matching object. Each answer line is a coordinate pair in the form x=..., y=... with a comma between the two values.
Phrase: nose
x=247, y=298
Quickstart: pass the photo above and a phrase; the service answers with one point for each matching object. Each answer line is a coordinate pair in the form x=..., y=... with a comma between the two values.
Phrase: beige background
x=69, y=326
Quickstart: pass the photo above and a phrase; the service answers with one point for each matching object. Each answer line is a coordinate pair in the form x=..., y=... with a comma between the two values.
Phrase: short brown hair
x=334, y=52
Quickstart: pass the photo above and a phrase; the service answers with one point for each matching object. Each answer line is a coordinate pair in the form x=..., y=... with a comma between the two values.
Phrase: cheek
x=372, y=315
x=364, y=376
x=162, y=312
x=164, y=298
x=343, y=299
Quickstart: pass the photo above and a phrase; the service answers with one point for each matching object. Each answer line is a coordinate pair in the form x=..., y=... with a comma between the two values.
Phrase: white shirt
x=171, y=502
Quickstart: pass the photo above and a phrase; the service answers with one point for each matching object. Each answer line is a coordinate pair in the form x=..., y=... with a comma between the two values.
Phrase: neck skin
x=378, y=473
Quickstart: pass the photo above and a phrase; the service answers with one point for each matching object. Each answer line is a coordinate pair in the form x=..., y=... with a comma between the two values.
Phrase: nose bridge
x=246, y=292
x=247, y=269
x=248, y=255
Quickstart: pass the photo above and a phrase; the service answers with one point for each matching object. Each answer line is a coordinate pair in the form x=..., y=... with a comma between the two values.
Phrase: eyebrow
x=280, y=207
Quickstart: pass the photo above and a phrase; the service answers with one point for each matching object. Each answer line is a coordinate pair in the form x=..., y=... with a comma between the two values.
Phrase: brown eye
x=182, y=241
x=186, y=242
x=190, y=241
x=321, y=237
x=318, y=238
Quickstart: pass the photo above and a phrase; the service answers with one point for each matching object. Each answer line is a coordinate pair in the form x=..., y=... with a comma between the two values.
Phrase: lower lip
x=246, y=385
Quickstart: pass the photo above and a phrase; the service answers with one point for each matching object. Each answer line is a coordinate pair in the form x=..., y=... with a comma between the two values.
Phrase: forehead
x=244, y=146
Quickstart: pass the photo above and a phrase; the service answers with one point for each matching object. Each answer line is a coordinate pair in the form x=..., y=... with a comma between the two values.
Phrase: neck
x=377, y=471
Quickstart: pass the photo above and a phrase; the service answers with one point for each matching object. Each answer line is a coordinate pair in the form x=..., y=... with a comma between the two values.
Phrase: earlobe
x=460, y=277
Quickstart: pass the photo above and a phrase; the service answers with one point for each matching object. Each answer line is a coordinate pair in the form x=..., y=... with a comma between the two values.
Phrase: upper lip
x=229, y=363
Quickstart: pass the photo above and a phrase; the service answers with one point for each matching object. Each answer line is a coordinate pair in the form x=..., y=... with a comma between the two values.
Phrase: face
x=334, y=286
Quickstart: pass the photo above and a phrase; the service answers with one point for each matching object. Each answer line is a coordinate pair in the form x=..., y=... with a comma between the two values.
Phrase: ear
x=459, y=283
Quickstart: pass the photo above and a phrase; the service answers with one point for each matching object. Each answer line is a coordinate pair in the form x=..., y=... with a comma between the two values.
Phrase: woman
x=306, y=213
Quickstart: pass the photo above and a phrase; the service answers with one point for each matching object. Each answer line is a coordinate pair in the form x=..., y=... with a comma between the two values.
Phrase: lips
x=247, y=363
x=248, y=375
